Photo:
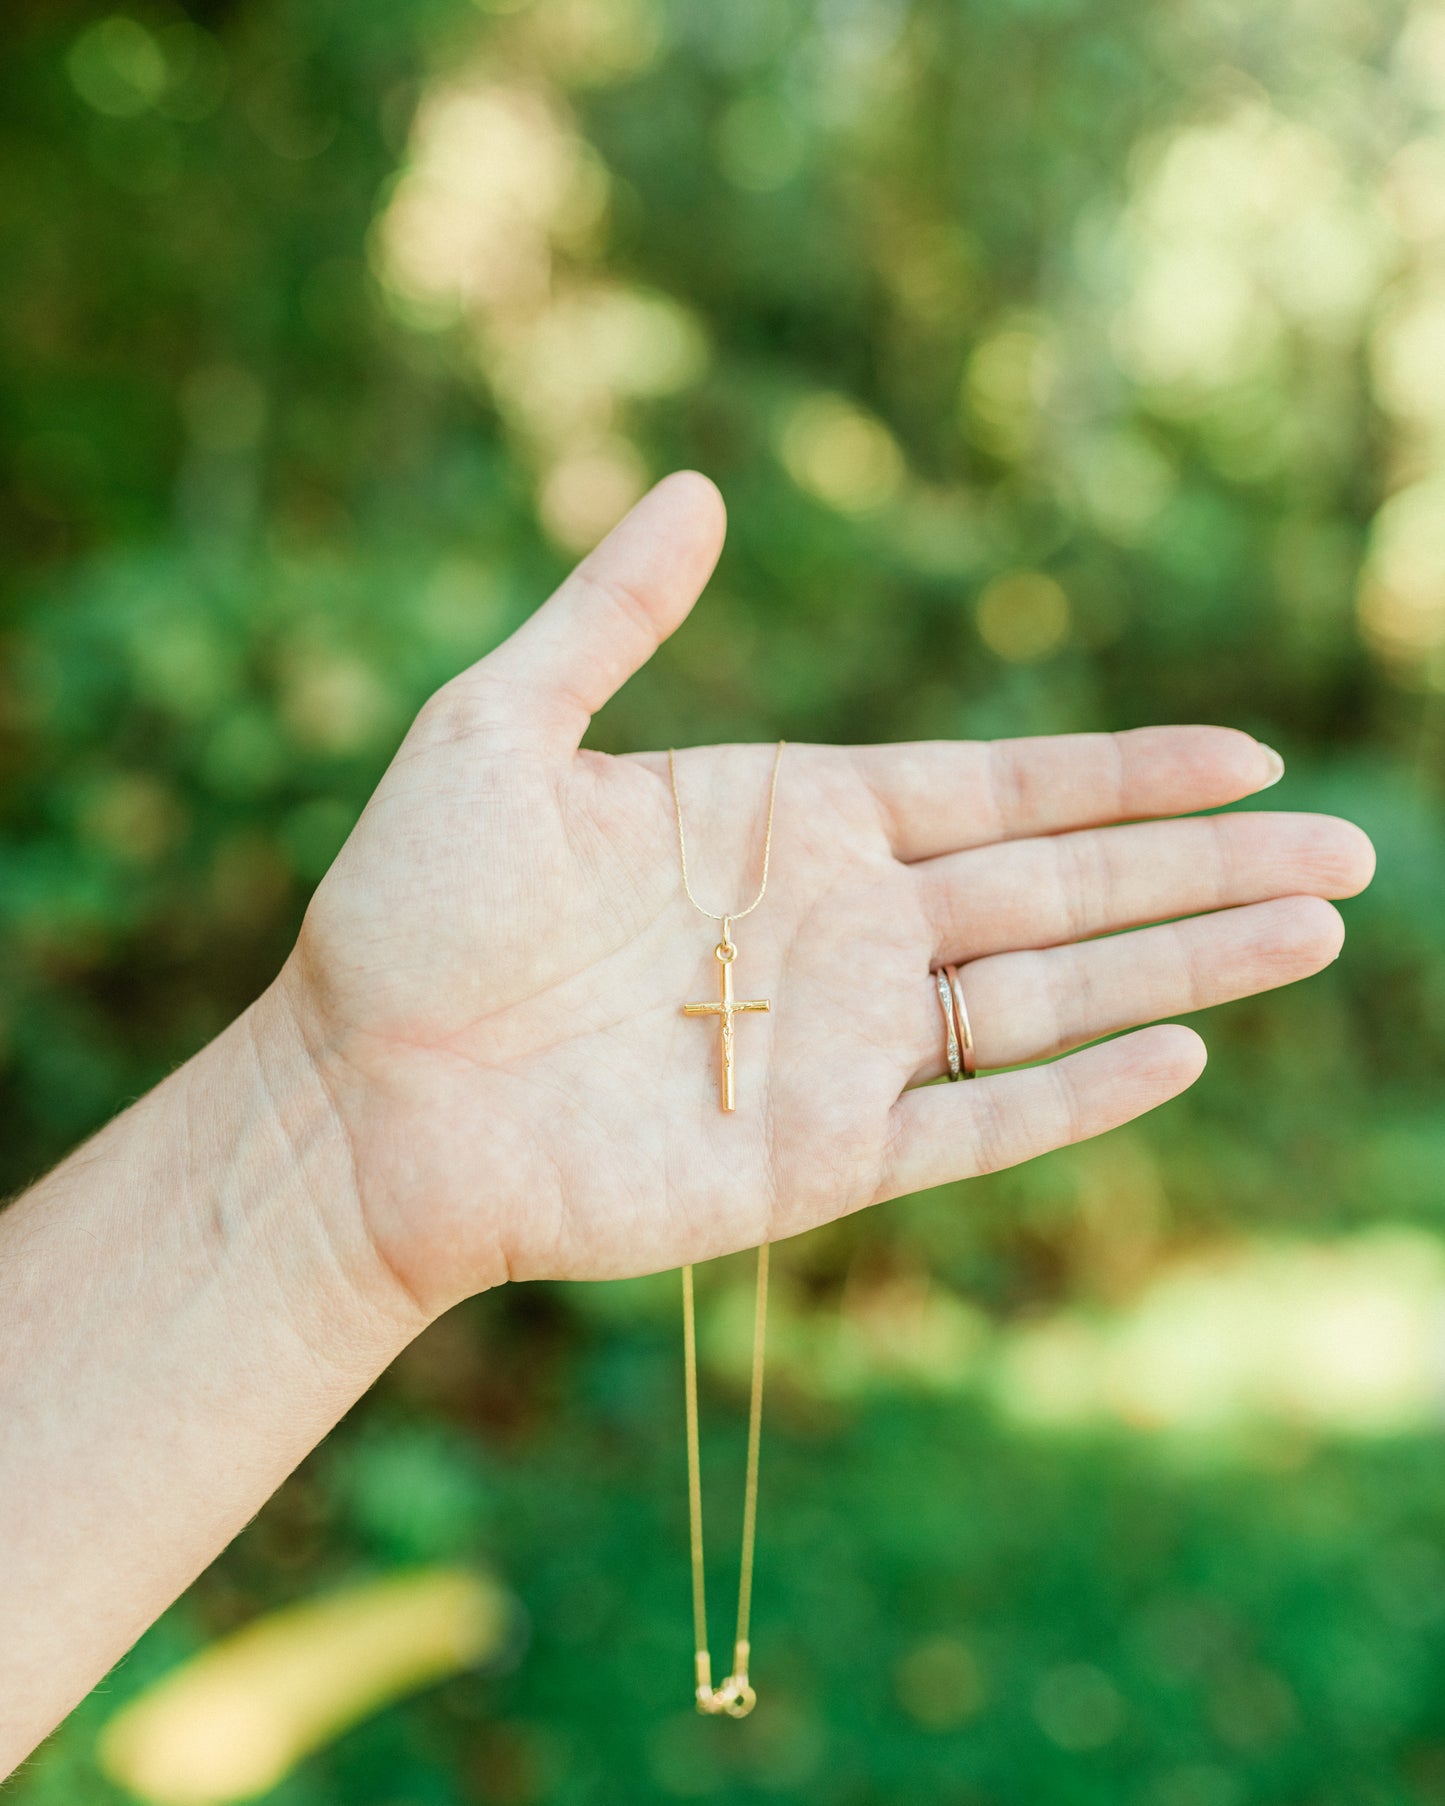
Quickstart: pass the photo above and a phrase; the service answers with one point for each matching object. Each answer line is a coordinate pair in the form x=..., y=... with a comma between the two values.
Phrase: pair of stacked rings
x=957, y=1029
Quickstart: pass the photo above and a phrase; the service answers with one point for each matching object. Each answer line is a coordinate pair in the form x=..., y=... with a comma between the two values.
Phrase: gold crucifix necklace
x=735, y=1696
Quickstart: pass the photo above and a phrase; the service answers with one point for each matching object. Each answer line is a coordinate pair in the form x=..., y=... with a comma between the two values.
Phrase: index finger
x=940, y=796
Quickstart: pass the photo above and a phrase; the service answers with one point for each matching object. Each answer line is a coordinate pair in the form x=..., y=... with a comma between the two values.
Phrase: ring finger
x=1029, y=1005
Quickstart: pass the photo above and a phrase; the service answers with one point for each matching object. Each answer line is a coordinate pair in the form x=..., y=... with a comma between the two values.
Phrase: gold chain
x=718, y=915
x=735, y=1696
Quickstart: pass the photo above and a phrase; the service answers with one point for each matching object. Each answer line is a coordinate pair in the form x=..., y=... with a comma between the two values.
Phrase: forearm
x=187, y=1305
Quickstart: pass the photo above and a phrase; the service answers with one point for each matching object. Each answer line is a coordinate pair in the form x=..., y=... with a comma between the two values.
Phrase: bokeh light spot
x=1402, y=583
x=760, y=143
x=584, y=495
x=117, y=67
x=132, y=815
x=1252, y=1707
x=1407, y=356
x=591, y=42
x=467, y=224
x=1078, y=1707
x=1125, y=482
x=1008, y=379
x=1023, y=616
x=333, y=702
x=939, y=1684
x=845, y=457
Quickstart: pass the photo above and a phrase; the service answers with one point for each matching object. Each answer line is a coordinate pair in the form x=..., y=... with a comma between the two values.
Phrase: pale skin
x=475, y=1066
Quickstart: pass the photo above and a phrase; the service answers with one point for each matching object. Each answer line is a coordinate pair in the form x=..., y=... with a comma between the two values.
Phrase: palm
x=499, y=960
x=508, y=1006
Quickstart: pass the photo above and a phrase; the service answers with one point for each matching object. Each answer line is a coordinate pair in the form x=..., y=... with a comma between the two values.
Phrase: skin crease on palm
x=490, y=979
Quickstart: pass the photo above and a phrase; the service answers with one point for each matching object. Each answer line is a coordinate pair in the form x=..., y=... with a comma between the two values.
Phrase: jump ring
x=742, y=1701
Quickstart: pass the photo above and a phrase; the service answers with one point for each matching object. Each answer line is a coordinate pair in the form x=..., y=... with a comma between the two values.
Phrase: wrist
x=291, y=1198
x=190, y=1305
x=410, y=1136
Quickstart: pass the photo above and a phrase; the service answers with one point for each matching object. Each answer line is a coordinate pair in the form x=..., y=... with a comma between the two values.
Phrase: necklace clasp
x=735, y=1695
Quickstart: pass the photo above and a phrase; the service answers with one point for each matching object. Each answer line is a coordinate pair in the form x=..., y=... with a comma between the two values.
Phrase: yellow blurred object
x=132, y=815
x=1023, y=615
x=1007, y=386
x=845, y=457
x=587, y=492
x=1341, y=1337
x=233, y=1721
x=1402, y=583
x=469, y=224
x=939, y=1684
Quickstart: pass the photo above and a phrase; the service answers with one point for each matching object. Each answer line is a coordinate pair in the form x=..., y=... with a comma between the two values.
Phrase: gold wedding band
x=964, y=1028
x=950, y=1025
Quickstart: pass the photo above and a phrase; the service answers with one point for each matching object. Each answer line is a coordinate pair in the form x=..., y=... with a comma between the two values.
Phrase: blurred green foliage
x=1064, y=366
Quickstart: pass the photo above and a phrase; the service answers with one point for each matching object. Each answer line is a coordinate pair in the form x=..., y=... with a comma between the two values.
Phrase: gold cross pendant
x=725, y=1009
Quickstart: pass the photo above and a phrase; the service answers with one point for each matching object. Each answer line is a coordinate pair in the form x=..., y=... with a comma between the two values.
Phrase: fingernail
x=1276, y=765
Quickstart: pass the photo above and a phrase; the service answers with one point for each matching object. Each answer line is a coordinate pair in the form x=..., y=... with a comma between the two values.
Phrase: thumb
x=609, y=617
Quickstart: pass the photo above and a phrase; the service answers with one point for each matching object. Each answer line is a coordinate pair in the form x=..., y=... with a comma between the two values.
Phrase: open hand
x=490, y=979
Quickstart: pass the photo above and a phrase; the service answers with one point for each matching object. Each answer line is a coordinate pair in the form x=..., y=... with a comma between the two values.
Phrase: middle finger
x=1068, y=887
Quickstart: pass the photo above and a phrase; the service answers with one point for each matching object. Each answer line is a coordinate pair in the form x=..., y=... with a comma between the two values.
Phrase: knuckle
x=942, y=907
x=1191, y=963
x=443, y=712
x=482, y=704
x=1067, y=1111
x=1083, y=879
x=619, y=597
x=1007, y=784
x=1068, y=989
x=461, y=710
x=1223, y=831
x=1119, y=772
x=990, y=1135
